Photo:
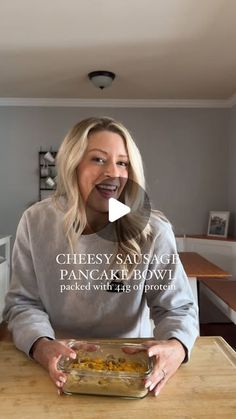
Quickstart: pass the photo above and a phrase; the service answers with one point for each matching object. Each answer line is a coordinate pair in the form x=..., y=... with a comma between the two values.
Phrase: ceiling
x=159, y=49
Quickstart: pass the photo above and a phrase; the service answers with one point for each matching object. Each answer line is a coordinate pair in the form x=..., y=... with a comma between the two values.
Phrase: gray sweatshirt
x=60, y=294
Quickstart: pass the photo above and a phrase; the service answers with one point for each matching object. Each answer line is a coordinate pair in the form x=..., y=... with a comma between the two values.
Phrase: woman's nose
x=112, y=170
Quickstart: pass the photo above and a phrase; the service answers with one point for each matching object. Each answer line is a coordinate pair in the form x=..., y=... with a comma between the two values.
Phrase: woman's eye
x=98, y=160
x=123, y=163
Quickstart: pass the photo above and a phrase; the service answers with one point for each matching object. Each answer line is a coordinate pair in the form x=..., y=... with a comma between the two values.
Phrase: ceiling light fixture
x=101, y=79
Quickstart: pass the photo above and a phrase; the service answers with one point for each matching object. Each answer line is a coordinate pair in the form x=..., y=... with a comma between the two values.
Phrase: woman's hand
x=47, y=353
x=169, y=355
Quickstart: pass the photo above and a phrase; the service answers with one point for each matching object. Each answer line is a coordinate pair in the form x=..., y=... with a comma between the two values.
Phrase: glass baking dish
x=107, y=368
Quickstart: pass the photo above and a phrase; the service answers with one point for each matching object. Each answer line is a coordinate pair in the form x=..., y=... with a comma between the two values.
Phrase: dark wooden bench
x=224, y=292
x=4, y=332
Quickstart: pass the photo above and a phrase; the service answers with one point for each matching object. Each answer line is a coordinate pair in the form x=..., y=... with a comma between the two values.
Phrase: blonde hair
x=129, y=231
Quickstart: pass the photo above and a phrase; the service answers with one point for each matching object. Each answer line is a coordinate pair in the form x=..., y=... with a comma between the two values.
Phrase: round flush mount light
x=101, y=78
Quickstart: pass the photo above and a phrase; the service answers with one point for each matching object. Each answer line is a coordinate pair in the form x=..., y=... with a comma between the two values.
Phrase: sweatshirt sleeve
x=172, y=307
x=24, y=311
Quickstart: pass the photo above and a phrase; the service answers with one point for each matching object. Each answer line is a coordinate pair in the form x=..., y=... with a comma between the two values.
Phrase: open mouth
x=107, y=190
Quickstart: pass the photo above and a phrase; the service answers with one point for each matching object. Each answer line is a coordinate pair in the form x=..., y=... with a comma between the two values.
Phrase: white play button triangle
x=117, y=210
x=112, y=209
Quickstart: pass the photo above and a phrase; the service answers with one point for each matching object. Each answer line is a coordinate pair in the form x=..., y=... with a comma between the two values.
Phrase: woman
x=61, y=258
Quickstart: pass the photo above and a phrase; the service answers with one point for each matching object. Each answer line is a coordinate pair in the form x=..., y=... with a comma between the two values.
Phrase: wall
x=185, y=154
x=232, y=168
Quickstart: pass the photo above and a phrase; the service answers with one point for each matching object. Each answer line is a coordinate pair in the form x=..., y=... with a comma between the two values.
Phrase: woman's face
x=103, y=170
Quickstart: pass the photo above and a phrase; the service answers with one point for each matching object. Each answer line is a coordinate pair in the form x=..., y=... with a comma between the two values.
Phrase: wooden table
x=223, y=294
x=203, y=388
x=198, y=268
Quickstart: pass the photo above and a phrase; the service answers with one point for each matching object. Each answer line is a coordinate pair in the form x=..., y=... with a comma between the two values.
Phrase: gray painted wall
x=185, y=153
x=232, y=169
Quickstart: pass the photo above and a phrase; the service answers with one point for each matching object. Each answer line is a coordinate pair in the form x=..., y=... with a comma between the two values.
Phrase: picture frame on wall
x=218, y=224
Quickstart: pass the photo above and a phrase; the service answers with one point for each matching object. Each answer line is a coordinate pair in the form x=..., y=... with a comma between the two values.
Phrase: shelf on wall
x=205, y=237
x=43, y=163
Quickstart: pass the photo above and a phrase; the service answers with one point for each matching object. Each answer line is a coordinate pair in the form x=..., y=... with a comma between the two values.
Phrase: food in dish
x=112, y=369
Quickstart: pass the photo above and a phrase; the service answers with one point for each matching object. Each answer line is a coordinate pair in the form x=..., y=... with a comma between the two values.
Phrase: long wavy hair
x=130, y=234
